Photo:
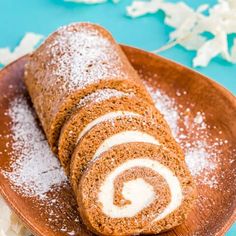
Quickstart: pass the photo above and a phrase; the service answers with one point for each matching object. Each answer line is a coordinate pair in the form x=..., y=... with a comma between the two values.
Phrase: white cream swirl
x=128, y=136
x=106, y=117
x=140, y=193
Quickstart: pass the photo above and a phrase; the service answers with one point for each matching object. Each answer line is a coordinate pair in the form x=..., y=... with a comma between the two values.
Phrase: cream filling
x=106, y=117
x=101, y=95
x=125, y=137
x=140, y=193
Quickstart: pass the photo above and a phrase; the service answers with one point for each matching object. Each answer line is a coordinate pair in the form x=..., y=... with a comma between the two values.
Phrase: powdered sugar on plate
x=167, y=107
x=202, y=150
x=36, y=170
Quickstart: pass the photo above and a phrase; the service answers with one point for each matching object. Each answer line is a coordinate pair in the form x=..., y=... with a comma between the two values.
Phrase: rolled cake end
x=135, y=188
x=119, y=130
x=72, y=63
x=99, y=111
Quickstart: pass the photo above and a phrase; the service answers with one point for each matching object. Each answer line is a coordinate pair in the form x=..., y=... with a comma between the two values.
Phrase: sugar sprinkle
x=203, y=151
x=36, y=170
x=84, y=54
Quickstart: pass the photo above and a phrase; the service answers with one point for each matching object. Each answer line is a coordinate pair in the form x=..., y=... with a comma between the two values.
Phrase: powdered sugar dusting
x=101, y=95
x=165, y=105
x=86, y=57
x=198, y=160
x=36, y=170
x=202, y=150
x=35, y=173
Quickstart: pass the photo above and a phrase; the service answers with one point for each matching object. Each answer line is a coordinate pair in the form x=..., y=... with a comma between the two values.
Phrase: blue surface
x=148, y=32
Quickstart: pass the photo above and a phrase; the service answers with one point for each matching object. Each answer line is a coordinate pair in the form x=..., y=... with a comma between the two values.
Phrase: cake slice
x=73, y=62
x=129, y=127
x=101, y=106
x=135, y=188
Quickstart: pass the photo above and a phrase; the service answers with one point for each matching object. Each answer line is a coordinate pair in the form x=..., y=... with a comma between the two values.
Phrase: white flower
x=189, y=25
x=9, y=223
x=26, y=45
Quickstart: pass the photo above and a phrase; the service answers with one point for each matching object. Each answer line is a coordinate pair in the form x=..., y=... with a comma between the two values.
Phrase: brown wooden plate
x=214, y=210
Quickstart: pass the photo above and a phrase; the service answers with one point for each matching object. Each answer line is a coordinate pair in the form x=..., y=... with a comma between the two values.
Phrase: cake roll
x=135, y=188
x=72, y=63
x=129, y=127
x=99, y=107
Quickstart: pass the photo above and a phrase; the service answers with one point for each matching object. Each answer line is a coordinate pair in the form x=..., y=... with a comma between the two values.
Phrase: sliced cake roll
x=73, y=62
x=118, y=129
x=103, y=105
x=135, y=188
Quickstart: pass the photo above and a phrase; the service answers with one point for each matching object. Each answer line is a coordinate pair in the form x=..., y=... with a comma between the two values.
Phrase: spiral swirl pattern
x=132, y=186
x=138, y=202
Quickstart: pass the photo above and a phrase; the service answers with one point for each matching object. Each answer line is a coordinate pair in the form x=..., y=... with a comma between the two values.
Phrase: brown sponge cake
x=120, y=130
x=73, y=62
x=135, y=188
x=105, y=105
x=126, y=170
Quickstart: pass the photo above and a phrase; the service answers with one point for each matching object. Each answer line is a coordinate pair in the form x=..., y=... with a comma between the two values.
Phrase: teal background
x=148, y=32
